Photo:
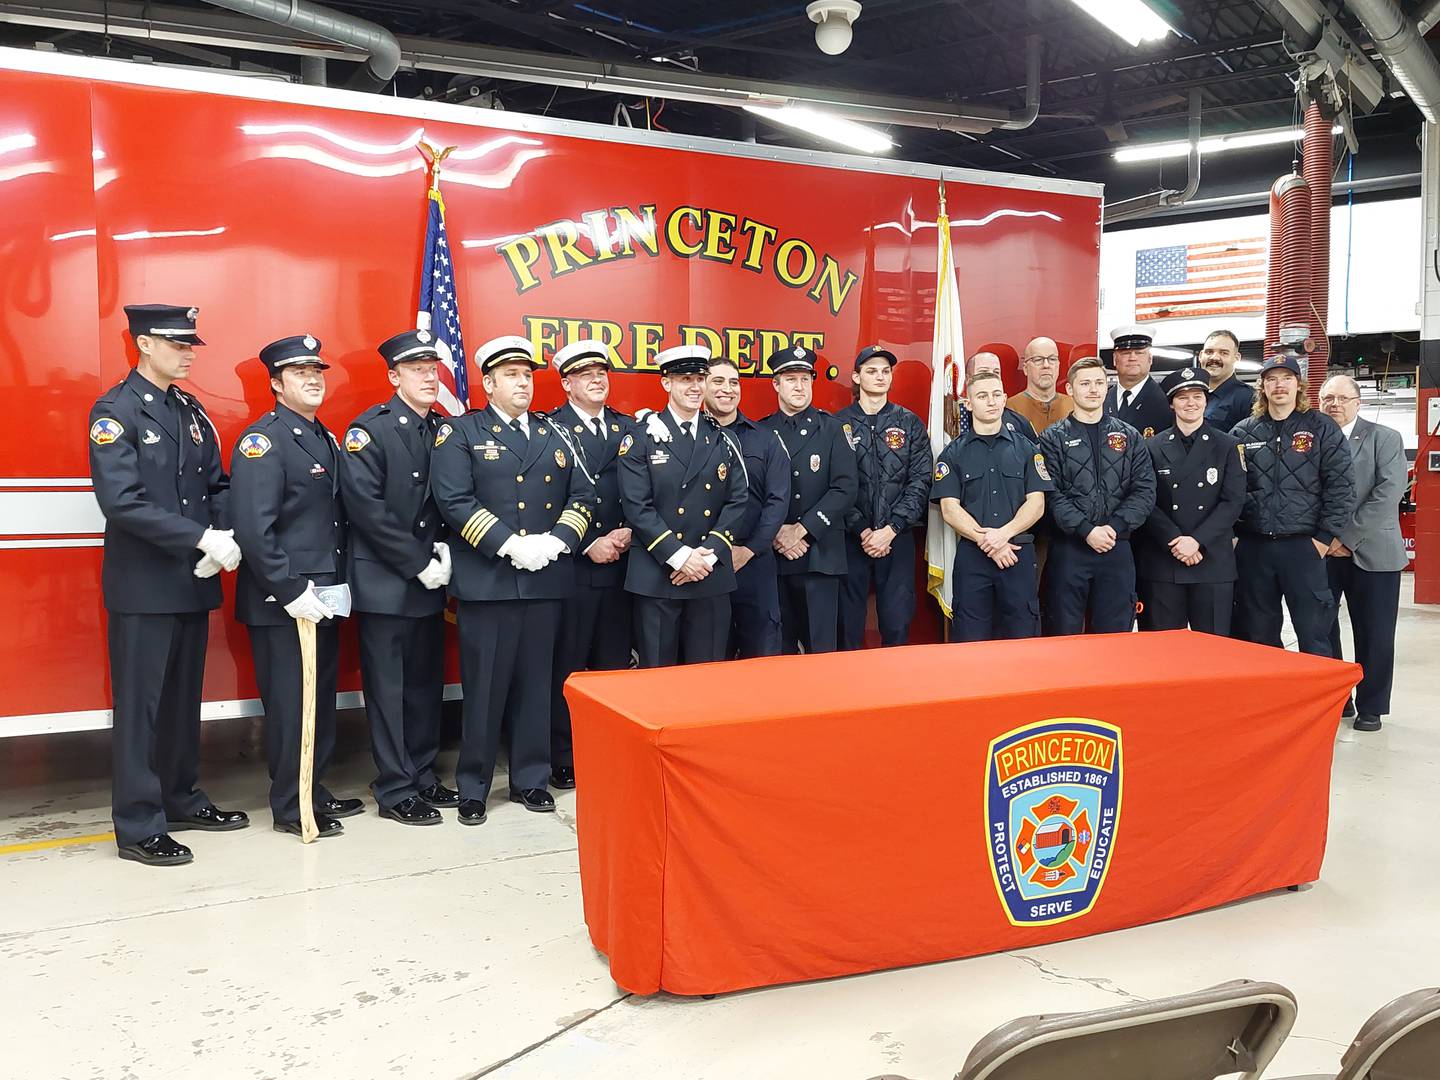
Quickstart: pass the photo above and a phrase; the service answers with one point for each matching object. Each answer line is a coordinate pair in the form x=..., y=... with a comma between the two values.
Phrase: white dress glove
x=207, y=567
x=654, y=426
x=434, y=575
x=522, y=553
x=442, y=552
x=551, y=546
x=220, y=545
x=308, y=606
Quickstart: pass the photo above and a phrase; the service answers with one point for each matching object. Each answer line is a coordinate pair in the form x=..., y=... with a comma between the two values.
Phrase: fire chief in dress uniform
x=155, y=463
x=683, y=498
x=1136, y=398
x=1185, y=552
x=399, y=567
x=290, y=523
x=521, y=505
x=595, y=623
x=824, y=482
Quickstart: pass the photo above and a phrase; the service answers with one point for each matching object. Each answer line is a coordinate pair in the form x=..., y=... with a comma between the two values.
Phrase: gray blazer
x=1380, y=471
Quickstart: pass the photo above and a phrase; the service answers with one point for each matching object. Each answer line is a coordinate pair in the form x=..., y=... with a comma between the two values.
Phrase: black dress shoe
x=535, y=798
x=1367, y=722
x=472, y=812
x=439, y=795
x=412, y=811
x=210, y=819
x=563, y=777
x=340, y=807
x=328, y=826
x=157, y=850
x=1349, y=710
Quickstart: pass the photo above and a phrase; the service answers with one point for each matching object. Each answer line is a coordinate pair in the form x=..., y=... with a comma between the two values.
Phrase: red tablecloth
x=768, y=821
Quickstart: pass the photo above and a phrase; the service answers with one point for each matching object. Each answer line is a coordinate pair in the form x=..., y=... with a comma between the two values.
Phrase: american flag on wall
x=1183, y=281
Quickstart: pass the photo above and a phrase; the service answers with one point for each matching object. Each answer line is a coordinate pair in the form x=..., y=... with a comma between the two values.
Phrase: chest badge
x=195, y=435
x=1212, y=476
x=254, y=445
x=722, y=471
x=560, y=458
x=1149, y=433
x=659, y=457
x=894, y=438
x=1117, y=441
x=490, y=450
x=150, y=438
x=317, y=469
x=814, y=462
x=1301, y=442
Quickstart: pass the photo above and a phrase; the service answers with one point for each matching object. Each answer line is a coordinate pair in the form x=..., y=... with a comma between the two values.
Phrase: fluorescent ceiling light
x=822, y=125
x=1157, y=151
x=1130, y=19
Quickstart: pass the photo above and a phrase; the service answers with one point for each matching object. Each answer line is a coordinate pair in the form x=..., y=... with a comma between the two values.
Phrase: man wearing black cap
x=521, y=504
x=755, y=604
x=684, y=498
x=1135, y=398
x=155, y=464
x=1104, y=492
x=1300, y=491
x=290, y=523
x=823, y=486
x=990, y=483
x=1184, y=556
x=892, y=450
x=399, y=567
x=595, y=623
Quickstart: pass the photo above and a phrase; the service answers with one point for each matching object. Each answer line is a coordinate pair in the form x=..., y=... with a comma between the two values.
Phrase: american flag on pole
x=439, y=306
x=947, y=383
x=1185, y=281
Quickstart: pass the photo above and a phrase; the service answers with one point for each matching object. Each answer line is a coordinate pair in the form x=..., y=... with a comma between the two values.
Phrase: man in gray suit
x=1367, y=557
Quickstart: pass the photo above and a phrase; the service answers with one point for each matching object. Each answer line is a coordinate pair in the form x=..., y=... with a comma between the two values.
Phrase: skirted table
x=768, y=821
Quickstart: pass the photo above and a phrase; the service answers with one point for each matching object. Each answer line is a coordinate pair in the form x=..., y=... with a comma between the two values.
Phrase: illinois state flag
x=947, y=380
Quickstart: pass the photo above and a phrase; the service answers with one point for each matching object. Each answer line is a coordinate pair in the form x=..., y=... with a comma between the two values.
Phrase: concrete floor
x=451, y=952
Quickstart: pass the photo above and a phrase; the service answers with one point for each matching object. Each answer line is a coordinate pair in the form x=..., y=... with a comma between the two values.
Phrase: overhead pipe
x=1031, y=112
x=1165, y=199
x=1427, y=15
x=383, y=51
x=1274, y=280
x=1319, y=167
x=1405, y=50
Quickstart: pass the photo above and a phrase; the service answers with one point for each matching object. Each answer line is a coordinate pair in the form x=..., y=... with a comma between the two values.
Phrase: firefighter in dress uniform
x=520, y=506
x=1299, y=495
x=684, y=497
x=1104, y=492
x=399, y=567
x=595, y=623
x=290, y=523
x=990, y=483
x=892, y=450
x=755, y=604
x=1185, y=554
x=155, y=464
x=1136, y=398
x=823, y=485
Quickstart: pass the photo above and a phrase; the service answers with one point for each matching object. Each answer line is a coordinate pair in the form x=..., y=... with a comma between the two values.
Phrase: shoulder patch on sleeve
x=942, y=470
x=356, y=439
x=1043, y=472
x=105, y=431
x=254, y=445
x=625, y=444
x=442, y=434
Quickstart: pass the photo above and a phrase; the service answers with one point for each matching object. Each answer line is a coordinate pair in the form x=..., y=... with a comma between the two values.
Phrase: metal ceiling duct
x=1409, y=56
x=383, y=51
x=1143, y=205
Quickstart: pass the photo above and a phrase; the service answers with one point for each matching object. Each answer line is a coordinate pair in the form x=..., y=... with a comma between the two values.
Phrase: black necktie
x=1125, y=400
x=597, y=426
x=688, y=427
x=519, y=427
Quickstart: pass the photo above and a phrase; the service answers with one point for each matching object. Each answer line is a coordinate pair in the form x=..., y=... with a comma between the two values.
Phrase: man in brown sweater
x=1040, y=402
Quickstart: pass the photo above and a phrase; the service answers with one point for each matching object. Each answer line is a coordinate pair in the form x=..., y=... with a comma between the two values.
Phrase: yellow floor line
x=66, y=841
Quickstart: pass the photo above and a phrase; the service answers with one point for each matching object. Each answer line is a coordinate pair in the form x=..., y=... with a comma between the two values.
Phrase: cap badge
x=1188, y=373
x=192, y=314
x=799, y=352
x=310, y=342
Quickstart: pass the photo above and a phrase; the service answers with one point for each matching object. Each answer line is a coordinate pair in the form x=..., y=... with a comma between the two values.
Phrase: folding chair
x=1230, y=1030
x=1399, y=1042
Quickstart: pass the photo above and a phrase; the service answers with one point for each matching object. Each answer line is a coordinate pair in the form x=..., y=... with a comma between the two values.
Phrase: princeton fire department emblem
x=105, y=431
x=1052, y=806
x=254, y=445
x=1117, y=441
x=814, y=462
x=1301, y=442
x=894, y=438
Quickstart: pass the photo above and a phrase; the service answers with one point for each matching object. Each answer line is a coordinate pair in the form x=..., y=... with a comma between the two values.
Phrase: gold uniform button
x=679, y=509
x=547, y=479
x=547, y=506
x=520, y=506
x=707, y=513
x=519, y=479
x=522, y=532
x=707, y=487
x=679, y=536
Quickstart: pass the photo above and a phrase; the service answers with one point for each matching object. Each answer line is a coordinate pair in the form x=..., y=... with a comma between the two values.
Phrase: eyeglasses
x=1335, y=399
x=1046, y=360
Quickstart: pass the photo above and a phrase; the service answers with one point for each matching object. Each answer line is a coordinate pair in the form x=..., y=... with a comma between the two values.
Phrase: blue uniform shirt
x=990, y=474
